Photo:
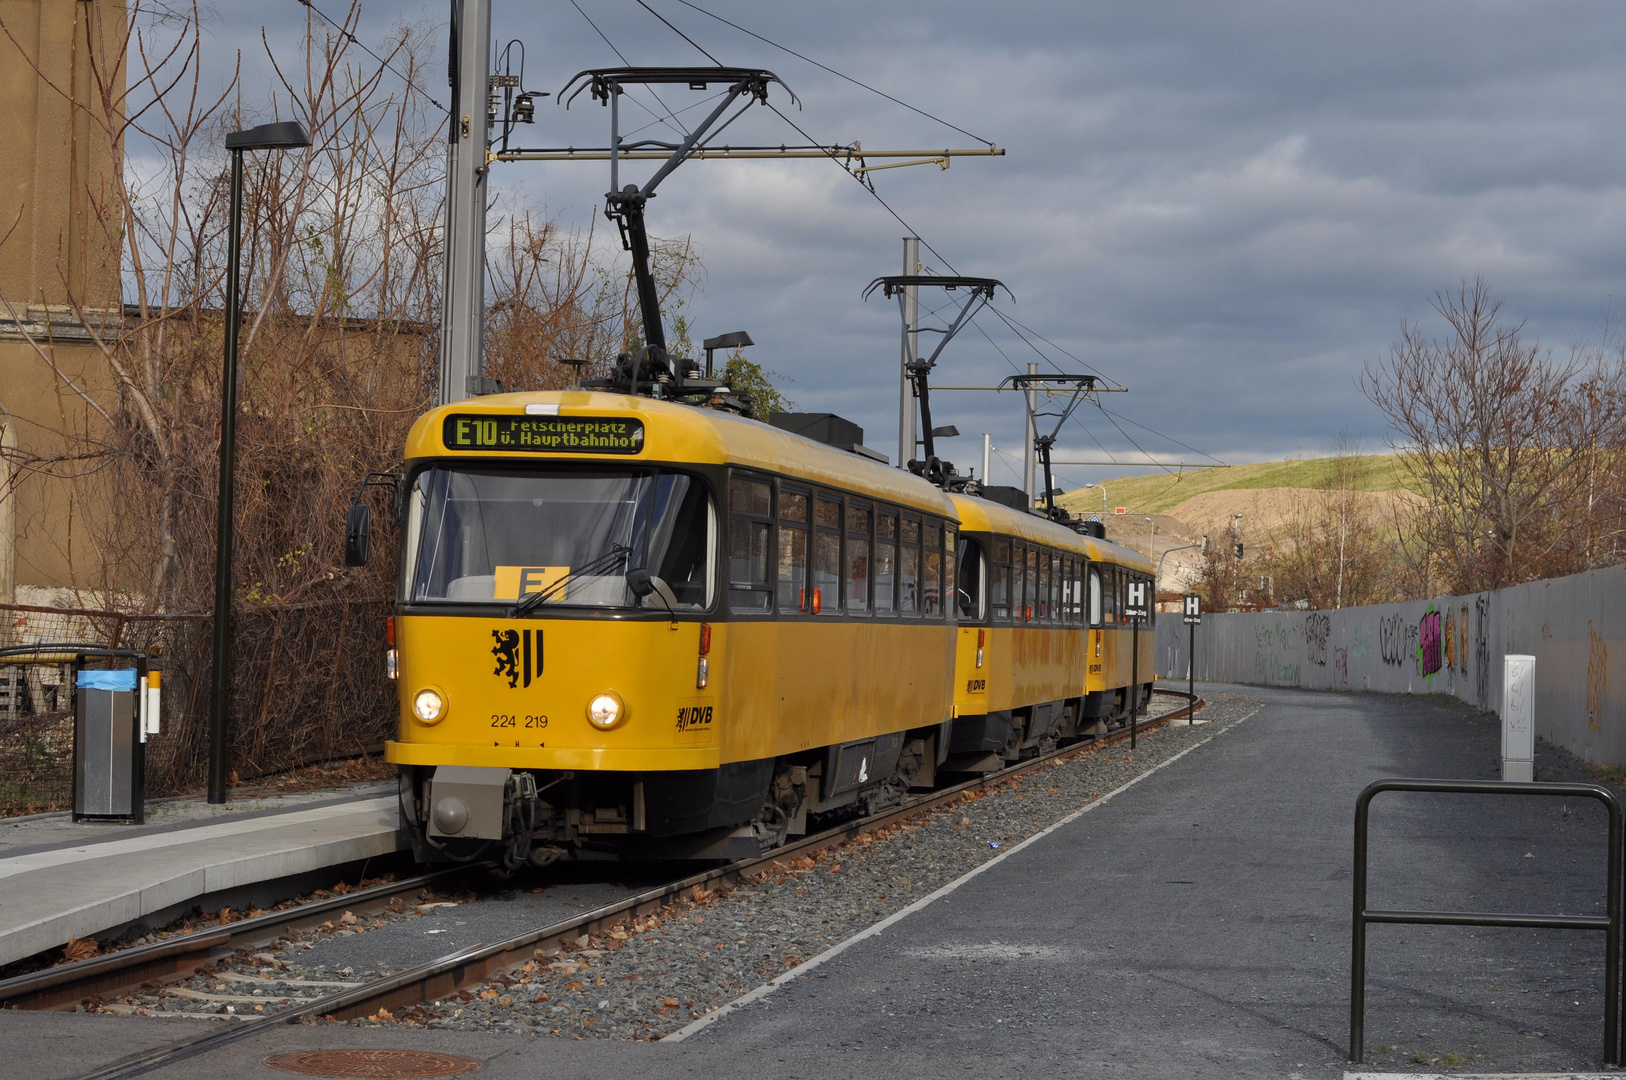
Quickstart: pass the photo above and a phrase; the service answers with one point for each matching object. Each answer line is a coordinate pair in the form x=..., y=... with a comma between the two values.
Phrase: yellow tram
x=636, y=628
x=1044, y=649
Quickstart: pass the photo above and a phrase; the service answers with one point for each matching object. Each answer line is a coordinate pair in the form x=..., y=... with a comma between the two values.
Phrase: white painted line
x=1480, y=1076
x=836, y=950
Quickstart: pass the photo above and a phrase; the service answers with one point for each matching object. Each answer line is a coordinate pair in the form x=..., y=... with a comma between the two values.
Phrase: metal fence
x=308, y=685
x=1609, y=923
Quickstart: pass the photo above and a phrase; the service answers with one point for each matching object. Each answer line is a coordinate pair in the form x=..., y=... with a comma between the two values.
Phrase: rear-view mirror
x=358, y=528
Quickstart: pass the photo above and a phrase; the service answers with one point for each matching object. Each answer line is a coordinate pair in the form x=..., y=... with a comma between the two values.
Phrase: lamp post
x=288, y=135
x=1103, y=488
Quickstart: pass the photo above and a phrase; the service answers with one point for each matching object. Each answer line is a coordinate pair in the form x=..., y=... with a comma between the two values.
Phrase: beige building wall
x=59, y=259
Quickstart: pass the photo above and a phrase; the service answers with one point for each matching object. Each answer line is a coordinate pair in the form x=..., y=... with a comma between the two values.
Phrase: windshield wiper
x=617, y=552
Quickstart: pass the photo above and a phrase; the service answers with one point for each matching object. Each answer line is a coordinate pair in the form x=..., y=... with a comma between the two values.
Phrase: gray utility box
x=115, y=709
x=104, y=768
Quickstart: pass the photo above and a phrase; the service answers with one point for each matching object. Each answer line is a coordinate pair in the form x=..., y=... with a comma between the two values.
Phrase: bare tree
x=341, y=280
x=1501, y=436
x=1333, y=550
x=1218, y=574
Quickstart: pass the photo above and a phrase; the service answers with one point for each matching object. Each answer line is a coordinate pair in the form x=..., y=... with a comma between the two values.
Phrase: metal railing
x=1609, y=923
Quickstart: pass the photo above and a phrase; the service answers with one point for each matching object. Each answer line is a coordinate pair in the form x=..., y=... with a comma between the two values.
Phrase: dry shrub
x=341, y=298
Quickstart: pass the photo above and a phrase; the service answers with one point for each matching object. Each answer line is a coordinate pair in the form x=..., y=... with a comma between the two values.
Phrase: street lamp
x=1103, y=488
x=1151, y=538
x=288, y=135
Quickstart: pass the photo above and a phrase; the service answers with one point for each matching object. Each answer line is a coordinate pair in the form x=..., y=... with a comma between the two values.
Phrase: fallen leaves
x=80, y=949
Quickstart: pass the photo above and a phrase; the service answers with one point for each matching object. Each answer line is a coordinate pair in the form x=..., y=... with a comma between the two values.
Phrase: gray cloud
x=1228, y=208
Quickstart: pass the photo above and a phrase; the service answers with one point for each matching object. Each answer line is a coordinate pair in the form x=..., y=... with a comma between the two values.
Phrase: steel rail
x=68, y=984
x=474, y=964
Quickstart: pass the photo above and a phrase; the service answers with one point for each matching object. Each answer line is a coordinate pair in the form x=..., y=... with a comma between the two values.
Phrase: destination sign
x=544, y=434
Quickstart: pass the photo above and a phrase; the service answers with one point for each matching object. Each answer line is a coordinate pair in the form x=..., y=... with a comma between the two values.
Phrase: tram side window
x=950, y=557
x=1078, y=592
x=886, y=562
x=1058, y=609
x=931, y=571
x=909, y=568
x=1034, y=605
x=1095, y=596
x=1046, y=612
x=999, y=577
x=793, y=515
x=968, y=593
x=858, y=566
x=750, y=505
x=826, y=556
x=1066, y=608
x=1019, y=561
x=1109, y=595
x=1123, y=597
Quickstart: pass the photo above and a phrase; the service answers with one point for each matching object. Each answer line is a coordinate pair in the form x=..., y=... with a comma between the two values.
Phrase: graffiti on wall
x=1597, y=678
x=1482, y=606
x=1340, y=666
x=1317, y=629
x=1391, y=638
x=1360, y=641
x=1276, y=650
x=1429, y=644
x=1462, y=642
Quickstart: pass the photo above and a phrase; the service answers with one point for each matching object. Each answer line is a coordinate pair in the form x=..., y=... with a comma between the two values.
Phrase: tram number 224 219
x=507, y=720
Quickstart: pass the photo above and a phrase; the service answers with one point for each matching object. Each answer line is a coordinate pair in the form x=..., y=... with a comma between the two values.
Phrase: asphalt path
x=1196, y=925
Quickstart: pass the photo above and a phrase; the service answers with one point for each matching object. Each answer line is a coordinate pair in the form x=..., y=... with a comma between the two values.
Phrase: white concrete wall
x=1574, y=626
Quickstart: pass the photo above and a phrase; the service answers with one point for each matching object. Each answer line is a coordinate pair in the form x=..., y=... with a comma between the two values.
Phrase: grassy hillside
x=1159, y=492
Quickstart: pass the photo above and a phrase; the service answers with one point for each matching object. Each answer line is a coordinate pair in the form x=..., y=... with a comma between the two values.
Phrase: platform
x=60, y=879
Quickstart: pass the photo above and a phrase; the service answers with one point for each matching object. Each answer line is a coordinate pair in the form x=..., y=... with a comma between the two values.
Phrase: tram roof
x=674, y=433
x=985, y=515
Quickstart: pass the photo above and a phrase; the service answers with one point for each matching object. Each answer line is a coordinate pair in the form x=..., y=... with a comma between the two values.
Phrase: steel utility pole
x=463, y=303
x=987, y=451
x=911, y=352
x=1029, y=450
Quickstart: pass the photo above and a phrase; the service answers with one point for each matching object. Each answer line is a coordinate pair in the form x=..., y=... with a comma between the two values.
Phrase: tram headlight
x=606, y=711
x=428, y=705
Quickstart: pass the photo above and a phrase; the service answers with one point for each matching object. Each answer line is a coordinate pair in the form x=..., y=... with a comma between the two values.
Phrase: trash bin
x=109, y=737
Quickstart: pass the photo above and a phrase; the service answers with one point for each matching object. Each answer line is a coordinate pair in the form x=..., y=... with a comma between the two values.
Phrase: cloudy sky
x=1227, y=208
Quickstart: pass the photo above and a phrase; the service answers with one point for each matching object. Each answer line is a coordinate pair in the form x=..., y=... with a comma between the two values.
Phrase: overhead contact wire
x=833, y=71
x=354, y=40
x=620, y=56
x=679, y=33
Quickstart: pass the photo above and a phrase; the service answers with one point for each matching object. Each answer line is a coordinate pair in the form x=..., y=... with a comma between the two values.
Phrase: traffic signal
x=1239, y=550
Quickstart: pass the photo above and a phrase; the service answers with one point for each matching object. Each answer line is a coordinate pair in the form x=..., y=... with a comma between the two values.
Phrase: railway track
x=70, y=984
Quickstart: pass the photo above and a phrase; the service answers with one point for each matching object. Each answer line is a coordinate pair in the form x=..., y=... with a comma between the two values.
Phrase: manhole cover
x=383, y=1064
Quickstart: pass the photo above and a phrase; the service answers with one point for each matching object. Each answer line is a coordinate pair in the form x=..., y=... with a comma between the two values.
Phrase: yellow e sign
x=513, y=582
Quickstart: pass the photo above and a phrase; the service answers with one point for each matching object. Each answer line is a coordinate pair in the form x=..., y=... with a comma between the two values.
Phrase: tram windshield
x=478, y=537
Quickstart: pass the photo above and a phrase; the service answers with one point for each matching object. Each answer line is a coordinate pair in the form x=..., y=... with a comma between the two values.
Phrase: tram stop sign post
x=1194, y=616
x=1137, y=610
x=1519, y=718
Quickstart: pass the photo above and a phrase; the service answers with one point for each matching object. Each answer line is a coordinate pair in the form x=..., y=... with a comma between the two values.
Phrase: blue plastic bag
x=121, y=679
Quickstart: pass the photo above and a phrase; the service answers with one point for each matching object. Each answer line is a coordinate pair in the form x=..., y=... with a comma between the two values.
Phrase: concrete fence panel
x=1574, y=626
